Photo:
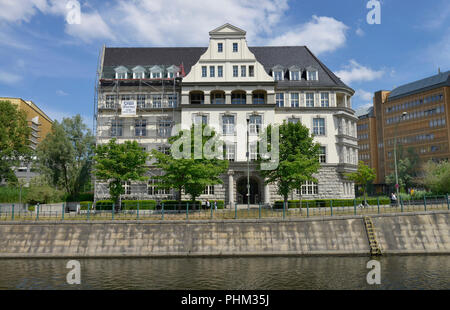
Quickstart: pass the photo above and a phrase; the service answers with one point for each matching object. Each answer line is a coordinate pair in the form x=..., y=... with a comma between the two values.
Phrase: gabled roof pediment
x=156, y=69
x=121, y=69
x=227, y=29
x=278, y=68
x=138, y=69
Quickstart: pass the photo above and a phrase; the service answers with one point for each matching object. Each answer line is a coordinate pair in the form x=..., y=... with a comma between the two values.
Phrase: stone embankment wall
x=408, y=233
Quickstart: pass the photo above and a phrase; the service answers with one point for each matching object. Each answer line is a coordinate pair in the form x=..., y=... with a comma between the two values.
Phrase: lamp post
x=395, y=157
x=248, y=164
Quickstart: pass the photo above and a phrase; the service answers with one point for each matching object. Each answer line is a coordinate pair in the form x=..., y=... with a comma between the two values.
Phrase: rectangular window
x=138, y=75
x=310, y=99
x=228, y=124
x=310, y=188
x=201, y=119
x=235, y=71
x=110, y=101
x=319, y=126
x=204, y=71
x=164, y=127
x=165, y=149
x=255, y=124
x=220, y=71
x=253, y=151
x=295, y=75
x=279, y=99
x=172, y=100
x=251, y=71
x=324, y=99
x=294, y=100
x=219, y=47
x=243, y=71
x=212, y=71
x=209, y=190
x=218, y=98
x=235, y=47
x=121, y=75
x=116, y=128
x=156, y=101
x=322, y=154
x=140, y=128
x=141, y=101
x=127, y=187
x=156, y=75
x=230, y=151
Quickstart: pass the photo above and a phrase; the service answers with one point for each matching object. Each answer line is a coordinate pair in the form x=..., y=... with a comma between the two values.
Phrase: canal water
x=397, y=272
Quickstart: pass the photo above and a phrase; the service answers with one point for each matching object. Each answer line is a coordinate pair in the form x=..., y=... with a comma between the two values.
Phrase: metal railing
x=186, y=211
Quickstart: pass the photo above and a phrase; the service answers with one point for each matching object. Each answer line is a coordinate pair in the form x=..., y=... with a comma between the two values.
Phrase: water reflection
x=398, y=272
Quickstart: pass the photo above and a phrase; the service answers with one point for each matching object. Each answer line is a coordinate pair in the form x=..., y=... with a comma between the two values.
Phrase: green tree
x=408, y=165
x=65, y=155
x=437, y=177
x=191, y=173
x=14, y=135
x=298, y=157
x=362, y=177
x=116, y=163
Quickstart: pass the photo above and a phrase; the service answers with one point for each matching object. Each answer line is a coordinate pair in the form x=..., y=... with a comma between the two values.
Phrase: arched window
x=238, y=97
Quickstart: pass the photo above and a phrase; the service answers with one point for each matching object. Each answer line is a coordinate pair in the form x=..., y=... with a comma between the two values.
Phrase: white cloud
x=321, y=34
x=20, y=10
x=360, y=32
x=60, y=92
x=355, y=72
x=9, y=78
x=364, y=95
x=92, y=27
x=362, y=108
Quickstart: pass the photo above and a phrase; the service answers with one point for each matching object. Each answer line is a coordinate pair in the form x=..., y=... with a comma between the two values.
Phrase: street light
x=248, y=164
x=395, y=158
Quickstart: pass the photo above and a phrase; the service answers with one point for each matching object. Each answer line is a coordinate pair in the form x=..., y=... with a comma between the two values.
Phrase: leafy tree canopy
x=363, y=176
x=14, y=143
x=298, y=157
x=437, y=177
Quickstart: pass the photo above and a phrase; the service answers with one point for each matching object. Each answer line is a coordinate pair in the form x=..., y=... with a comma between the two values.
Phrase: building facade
x=40, y=125
x=227, y=86
x=414, y=115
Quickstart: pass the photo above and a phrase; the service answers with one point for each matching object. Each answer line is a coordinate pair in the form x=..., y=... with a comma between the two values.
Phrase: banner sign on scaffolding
x=129, y=107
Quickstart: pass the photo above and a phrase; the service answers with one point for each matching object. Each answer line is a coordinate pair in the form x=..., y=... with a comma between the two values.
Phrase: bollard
x=424, y=203
x=307, y=209
x=331, y=207
x=88, y=211
x=187, y=211
x=378, y=204
x=354, y=206
x=12, y=212
x=162, y=211
x=137, y=213
x=260, y=209
x=37, y=212
x=62, y=212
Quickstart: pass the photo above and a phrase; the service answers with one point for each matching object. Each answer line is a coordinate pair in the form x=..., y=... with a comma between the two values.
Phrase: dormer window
x=155, y=72
x=172, y=72
x=138, y=72
x=312, y=74
x=277, y=75
x=294, y=73
x=121, y=72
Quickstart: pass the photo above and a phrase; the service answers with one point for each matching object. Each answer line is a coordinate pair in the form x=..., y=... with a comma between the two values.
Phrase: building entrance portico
x=255, y=193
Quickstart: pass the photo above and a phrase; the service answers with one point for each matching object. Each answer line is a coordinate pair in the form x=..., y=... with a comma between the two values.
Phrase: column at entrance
x=266, y=193
x=230, y=188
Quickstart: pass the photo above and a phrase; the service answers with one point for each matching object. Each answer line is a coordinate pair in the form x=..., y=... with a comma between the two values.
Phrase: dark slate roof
x=268, y=56
x=435, y=81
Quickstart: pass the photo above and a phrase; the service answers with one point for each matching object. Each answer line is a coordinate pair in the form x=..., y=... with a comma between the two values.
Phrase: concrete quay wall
x=419, y=233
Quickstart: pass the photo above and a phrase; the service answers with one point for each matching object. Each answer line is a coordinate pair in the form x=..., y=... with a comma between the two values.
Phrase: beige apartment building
x=416, y=115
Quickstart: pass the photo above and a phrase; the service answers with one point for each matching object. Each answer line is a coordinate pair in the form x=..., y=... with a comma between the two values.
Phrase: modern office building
x=143, y=92
x=40, y=125
x=416, y=115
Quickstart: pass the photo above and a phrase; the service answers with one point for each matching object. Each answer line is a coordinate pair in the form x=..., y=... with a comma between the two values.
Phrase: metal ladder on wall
x=373, y=243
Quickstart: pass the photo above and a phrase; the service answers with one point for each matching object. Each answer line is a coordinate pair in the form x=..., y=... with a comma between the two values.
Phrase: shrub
x=89, y=196
x=143, y=204
x=174, y=205
x=12, y=194
x=44, y=194
x=327, y=202
x=104, y=205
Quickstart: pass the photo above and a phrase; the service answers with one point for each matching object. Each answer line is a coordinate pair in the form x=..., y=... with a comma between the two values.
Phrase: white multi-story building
x=225, y=86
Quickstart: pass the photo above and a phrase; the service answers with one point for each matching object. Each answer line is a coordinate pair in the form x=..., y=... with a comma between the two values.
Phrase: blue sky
x=53, y=63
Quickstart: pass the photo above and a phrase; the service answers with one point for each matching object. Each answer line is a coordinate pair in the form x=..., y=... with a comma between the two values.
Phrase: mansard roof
x=268, y=56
